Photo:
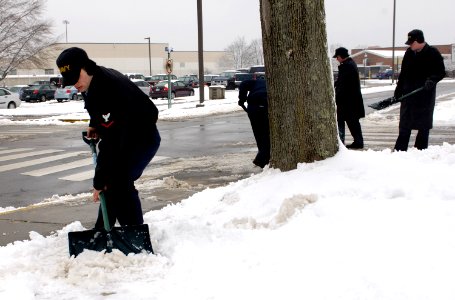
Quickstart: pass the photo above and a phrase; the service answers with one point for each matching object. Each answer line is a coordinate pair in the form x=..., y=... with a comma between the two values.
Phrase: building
x=126, y=58
x=377, y=59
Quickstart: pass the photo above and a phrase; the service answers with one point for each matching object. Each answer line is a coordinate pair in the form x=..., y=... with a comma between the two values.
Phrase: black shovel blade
x=127, y=239
x=383, y=103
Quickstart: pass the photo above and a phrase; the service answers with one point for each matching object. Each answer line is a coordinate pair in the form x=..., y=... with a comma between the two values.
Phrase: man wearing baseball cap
x=422, y=66
x=124, y=119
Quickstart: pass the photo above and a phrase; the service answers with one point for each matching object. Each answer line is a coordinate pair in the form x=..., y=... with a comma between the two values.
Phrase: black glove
x=429, y=84
x=241, y=103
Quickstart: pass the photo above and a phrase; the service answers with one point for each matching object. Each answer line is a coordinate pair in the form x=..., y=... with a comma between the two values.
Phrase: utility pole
x=393, y=43
x=150, y=57
x=200, y=53
x=66, y=22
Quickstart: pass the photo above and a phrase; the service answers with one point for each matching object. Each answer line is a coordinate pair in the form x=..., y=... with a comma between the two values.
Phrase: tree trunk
x=299, y=82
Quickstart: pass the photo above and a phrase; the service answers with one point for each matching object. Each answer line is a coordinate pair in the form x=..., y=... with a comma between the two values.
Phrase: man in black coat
x=255, y=93
x=348, y=98
x=422, y=66
x=124, y=119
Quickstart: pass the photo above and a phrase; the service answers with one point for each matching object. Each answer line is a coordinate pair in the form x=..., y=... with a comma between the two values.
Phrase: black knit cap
x=415, y=35
x=342, y=52
x=70, y=62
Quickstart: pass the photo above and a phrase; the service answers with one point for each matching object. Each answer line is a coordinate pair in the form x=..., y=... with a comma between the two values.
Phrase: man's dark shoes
x=259, y=163
x=355, y=146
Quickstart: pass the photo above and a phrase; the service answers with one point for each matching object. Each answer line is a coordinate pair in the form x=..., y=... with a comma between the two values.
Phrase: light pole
x=365, y=57
x=200, y=53
x=150, y=57
x=66, y=22
x=393, y=42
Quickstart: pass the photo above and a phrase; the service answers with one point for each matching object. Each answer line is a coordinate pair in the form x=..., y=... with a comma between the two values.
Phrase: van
x=135, y=76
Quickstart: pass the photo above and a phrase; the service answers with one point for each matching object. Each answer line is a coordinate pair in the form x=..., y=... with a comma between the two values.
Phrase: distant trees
x=24, y=36
x=240, y=54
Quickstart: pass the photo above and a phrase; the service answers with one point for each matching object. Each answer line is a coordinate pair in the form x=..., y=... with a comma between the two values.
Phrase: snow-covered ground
x=359, y=225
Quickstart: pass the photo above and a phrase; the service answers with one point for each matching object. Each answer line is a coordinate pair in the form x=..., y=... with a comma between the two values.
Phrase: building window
x=49, y=71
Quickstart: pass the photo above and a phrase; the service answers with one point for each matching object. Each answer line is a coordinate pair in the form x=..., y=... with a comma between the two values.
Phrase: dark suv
x=41, y=92
x=190, y=80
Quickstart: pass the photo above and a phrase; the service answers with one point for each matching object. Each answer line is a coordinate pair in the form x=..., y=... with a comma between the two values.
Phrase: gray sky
x=350, y=23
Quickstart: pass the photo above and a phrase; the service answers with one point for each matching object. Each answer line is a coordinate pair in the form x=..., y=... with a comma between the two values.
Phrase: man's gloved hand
x=241, y=103
x=429, y=84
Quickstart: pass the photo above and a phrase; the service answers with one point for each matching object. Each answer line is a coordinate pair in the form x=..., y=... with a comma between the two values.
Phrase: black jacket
x=416, y=112
x=347, y=92
x=254, y=92
x=123, y=117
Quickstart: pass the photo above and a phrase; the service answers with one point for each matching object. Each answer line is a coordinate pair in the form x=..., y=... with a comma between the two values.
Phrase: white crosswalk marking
x=60, y=168
x=79, y=176
x=28, y=154
x=38, y=161
x=23, y=158
x=14, y=150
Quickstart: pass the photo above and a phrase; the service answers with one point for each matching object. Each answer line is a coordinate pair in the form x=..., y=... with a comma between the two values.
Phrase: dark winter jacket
x=347, y=92
x=254, y=92
x=416, y=112
x=123, y=117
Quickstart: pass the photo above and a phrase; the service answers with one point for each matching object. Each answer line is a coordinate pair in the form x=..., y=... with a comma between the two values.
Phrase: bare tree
x=23, y=35
x=240, y=54
x=300, y=92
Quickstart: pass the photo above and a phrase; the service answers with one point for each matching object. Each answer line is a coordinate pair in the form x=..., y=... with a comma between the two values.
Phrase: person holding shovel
x=124, y=119
x=422, y=66
x=254, y=92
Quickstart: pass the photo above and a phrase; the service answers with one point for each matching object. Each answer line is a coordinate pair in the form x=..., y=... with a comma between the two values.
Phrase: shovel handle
x=107, y=226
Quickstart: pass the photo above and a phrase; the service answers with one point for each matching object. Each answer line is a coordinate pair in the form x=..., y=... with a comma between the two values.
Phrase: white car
x=143, y=85
x=8, y=99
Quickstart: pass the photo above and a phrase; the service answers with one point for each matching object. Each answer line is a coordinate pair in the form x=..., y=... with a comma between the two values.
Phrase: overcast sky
x=350, y=23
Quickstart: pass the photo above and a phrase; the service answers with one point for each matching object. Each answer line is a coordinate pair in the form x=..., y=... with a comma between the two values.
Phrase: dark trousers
x=405, y=134
x=354, y=128
x=122, y=198
x=259, y=119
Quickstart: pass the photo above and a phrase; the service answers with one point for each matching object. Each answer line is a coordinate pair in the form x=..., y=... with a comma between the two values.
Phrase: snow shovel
x=127, y=239
x=392, y=100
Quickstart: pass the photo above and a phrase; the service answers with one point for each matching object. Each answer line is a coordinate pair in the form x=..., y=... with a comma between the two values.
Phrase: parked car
x=66, y=93
x=179, y=89
x=143, y=85
x=387, y=74
x=40, y=92
x=159, y=77
x=17, y=89
x=9, y=99
x=239, y=77
x=190, y=80
x=208, y=79
x=135, y=76
x=258, y=68
x=227, y=79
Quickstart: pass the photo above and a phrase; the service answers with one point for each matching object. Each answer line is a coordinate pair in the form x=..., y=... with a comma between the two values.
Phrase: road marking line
x=89, y=174
x=79, y=176
x=60, y=168
x=38, y=161
x=14, y=150
x=28, y=154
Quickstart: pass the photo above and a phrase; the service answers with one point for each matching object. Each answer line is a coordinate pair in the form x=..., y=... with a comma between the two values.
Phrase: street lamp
x=365, y=57
x=66, y=22
x=150, y=57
